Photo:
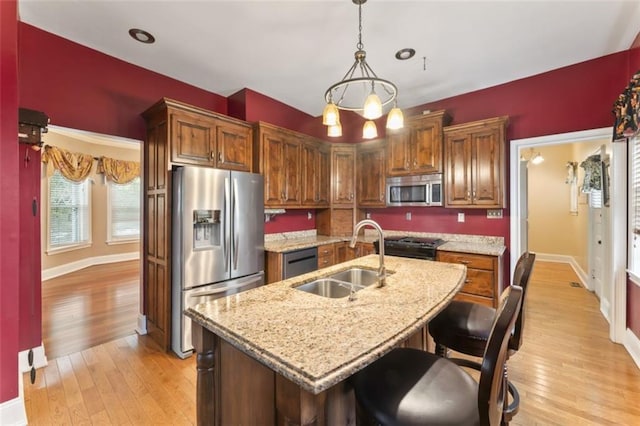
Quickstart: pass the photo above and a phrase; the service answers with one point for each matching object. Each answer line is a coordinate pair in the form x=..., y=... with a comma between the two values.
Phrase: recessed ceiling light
x=404, y=54
x=142, y=36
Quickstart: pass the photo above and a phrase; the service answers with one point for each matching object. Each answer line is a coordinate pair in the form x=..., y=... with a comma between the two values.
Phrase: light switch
x=309, y=215
x=460, y=217
x=368, y=215
x=408, y=216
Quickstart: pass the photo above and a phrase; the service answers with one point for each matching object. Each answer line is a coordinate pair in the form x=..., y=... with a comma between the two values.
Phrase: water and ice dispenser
x=206, y=229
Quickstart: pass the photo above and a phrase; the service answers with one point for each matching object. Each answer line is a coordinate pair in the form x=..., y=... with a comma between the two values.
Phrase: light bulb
x=335, y=130
x=330, y=115
x=372, y=107
x=537, y=159
x=369, y=131
x=395, y=119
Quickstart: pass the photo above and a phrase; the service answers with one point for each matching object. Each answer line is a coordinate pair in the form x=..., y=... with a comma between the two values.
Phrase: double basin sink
x=341, y=284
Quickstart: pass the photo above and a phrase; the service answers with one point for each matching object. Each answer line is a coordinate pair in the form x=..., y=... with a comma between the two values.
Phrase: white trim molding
x=141, y=329
x=56, y=271
x=12, y=412
x=632, y=344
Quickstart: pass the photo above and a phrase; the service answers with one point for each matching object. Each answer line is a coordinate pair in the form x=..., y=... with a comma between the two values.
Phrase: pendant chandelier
x=361, y=91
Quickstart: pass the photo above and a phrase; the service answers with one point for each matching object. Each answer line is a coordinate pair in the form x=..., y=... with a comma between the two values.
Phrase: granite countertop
x=317, y=342
x=476, y=244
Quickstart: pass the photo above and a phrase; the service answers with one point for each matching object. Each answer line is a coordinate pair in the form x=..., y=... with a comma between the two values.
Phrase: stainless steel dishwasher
x=298, y=262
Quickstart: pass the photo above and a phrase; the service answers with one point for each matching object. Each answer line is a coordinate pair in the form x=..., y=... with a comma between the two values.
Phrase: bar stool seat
x=414, y=387
x=464, y=327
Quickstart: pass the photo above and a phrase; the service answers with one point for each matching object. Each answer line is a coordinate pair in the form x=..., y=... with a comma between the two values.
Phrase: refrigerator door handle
x=235, y=208
x=210, y=292
x=225, y=236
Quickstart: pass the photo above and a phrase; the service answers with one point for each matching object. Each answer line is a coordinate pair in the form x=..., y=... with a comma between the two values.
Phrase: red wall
x=9, y=189
x=81, y=88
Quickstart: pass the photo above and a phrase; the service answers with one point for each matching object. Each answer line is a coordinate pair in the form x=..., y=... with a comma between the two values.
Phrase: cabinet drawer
x=466, y=297
x=476, y=261
x=326, y=250
x=478, y=282
x=325, y=261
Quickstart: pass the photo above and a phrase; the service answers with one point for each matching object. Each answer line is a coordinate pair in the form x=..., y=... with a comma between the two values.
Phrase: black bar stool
x=414, y=387
x=465, y=326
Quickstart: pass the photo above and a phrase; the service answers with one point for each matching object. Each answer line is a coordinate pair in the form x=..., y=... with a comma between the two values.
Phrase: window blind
x=124, y=205
x=69, y=220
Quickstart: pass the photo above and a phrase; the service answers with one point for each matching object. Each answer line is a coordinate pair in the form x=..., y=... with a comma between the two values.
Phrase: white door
x=596, y=262
x=524, y=208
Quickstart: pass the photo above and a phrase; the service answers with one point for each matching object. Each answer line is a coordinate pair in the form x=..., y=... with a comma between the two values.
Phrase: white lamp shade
x=372, y=107
x=335, y=130
x=330, y=115
x=369, y=131
x=395, y=119
x=537, y=159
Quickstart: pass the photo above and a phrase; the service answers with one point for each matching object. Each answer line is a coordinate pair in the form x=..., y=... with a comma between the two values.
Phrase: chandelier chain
x=359, y=45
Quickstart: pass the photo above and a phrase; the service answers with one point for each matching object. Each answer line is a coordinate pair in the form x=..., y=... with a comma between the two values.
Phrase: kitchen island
x=278, y=355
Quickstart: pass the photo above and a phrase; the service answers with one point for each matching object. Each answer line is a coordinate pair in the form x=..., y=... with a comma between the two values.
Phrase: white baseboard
x=142, y=324
x=632, y=344
x=56, y=271
x=39, y=359
x=12, y=412
x=560, y=258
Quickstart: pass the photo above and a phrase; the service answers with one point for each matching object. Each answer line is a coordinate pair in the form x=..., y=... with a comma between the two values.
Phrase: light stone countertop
x=317, y=342
x=477, y=244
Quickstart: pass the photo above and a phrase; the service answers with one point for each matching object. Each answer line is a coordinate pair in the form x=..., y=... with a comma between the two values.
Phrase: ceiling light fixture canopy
x=362, y=91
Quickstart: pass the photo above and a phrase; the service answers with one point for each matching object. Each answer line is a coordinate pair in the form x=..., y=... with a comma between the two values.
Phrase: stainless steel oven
x=421, y=190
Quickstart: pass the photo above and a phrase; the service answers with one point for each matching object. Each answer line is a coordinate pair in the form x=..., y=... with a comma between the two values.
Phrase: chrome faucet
x=382, y=272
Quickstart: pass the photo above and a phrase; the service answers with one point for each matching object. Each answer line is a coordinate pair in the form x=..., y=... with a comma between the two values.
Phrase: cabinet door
x=371, y=177
x=192, y=139
x=426, y=147
x=343, y=188
x=292, y=159
x=234, y=147
x=486, y=160
x=458, y=169
x=274, y=168
x=324, y=176
x=398, y=153
x=311, y=171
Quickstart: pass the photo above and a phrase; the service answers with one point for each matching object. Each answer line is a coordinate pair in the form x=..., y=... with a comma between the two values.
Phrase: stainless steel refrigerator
x=217, y=241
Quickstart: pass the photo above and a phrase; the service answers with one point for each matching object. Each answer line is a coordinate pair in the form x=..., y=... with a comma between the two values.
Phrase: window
x=124, y=211
x=69, y=213
x=634, y=206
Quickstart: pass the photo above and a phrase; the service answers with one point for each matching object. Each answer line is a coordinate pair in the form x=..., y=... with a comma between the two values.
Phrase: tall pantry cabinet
x=179, y=134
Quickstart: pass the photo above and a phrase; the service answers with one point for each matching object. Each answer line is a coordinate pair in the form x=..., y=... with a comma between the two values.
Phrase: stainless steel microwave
x=422, y=190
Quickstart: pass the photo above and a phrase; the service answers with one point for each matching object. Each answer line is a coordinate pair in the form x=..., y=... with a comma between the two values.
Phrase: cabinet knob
x=351, y=196
x=468, y=195
x=212, y=155
x=406, y=164
x=415, y=163
x=282, y=197
x=220, y=159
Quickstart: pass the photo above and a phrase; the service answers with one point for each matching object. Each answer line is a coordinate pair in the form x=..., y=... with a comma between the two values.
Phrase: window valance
x=74, y=166
x=627, y=110
x=119, y=171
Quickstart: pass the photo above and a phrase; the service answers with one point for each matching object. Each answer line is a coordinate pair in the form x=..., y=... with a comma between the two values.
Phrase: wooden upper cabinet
x=475, y=164
x=202, y=138
x=192, y=139
x=370, y=174
x=234, y=146
x=343, y=175
x=280, y=160
x=315, y=168
x=417, y=148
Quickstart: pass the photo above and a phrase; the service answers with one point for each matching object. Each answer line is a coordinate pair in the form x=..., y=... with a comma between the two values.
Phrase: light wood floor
x=91, y=306
x=567, y=371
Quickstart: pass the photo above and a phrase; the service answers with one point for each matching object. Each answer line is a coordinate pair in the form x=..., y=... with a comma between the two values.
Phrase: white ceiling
x=293, y=50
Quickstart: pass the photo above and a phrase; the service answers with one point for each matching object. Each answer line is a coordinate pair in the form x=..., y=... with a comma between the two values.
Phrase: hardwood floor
x=91, y=306
x=567, y=371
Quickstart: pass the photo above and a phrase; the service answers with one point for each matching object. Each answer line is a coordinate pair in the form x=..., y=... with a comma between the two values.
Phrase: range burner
x=415, y=247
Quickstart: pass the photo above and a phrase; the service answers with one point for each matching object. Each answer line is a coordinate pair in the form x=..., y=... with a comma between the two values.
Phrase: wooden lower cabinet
x=326, y=255
x=484, y=276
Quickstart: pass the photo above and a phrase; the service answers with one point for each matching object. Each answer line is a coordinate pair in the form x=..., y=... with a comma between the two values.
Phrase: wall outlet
x=460, y=217
x=494, y=214
x=309, y=215
x=368, y=215
x=407, y=216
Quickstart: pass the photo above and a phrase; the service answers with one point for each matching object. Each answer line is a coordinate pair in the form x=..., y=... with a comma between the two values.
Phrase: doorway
x=91, y=275
x=614, y=224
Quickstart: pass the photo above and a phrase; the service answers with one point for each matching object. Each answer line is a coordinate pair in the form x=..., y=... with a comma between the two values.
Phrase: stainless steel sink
x=357, y=276
x=327, y=287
